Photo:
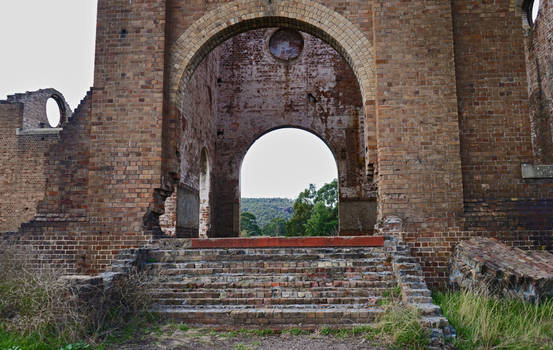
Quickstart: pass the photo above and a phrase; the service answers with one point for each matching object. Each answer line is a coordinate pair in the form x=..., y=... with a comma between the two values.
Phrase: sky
x=51, y=44
x=284, y=162
x=47, y=44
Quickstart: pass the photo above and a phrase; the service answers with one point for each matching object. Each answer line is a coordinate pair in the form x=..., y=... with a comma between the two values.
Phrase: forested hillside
x=265, y=209
x=313, y=213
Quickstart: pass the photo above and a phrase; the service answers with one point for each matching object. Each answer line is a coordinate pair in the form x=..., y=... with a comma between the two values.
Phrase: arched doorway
x=228, y=132
x=280, y=167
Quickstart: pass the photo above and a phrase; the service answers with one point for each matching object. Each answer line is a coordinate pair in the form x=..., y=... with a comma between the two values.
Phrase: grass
x=399, y=327
x=485, y=322
x=39, y=311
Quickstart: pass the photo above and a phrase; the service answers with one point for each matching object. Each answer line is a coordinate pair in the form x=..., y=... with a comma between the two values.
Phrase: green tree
x=303, y=206
x=315, y=212
x=323, y=221
x=276, y=227
x=248, y=223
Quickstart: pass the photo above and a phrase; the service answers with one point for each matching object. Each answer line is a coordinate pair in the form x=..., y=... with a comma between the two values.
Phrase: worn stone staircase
x=279, y=287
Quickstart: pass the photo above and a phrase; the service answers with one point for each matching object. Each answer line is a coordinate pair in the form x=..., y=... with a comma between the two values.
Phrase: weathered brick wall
x=494, y=119
x=258, y=93
x=34, y=110
x=433, y=249
x=195, y=132
x=419, y=168
x=23, y=159
x=126, y=123
x=539, y=60
x=447, y=123
x=67, y=167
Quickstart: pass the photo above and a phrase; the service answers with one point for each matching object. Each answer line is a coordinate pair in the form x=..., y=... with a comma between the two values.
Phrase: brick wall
x=23, y=161
x=450, y=113
x=419, y=168
x=494, y=119
x=126, y=122
x=539, y=59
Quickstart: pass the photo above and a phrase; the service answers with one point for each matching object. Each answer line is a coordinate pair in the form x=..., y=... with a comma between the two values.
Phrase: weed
x=401, y=325
x=263, y=332
x=183, y=327
x=296, y=331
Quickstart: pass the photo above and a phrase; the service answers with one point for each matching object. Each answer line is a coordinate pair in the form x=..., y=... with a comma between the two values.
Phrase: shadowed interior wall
x=258, y=92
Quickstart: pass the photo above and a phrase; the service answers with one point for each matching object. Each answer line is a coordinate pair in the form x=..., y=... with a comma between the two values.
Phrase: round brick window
x=286, y=44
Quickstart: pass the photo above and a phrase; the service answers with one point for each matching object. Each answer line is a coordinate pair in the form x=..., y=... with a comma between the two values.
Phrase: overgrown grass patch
x=399, y=326
x=486, y=322
x=40, y=311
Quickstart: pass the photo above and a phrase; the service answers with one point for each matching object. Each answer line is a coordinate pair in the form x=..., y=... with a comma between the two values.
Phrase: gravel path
x=168, y=339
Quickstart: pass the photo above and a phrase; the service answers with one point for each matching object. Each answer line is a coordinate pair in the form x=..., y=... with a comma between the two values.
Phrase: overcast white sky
x=51, y=44
x=284, y=162
x=47, y=44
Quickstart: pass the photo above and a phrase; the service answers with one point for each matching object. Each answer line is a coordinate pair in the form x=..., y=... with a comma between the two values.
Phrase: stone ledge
x=41, y=131
x=531, y=171
x=277, y=242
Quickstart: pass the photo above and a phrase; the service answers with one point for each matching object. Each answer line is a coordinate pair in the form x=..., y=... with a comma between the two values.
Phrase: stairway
x=269, y=287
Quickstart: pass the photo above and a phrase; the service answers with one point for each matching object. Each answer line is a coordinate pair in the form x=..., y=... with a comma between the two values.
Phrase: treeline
x=266, y=209
x=315, y=213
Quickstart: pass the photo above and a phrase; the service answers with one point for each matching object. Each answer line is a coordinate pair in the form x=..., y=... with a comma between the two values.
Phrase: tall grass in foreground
x=485, y=322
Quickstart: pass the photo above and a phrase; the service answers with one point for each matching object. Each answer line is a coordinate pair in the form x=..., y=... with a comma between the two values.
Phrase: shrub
x=39, y=310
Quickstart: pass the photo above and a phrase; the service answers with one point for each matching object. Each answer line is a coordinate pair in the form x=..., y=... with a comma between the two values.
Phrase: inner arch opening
x=280, y=167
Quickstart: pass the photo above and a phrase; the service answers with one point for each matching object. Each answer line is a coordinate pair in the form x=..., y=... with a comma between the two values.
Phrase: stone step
x=318, y=271
x=419, y=299
x=365, y=302
x=275, y=292
x=270, y=264
x=428, y=309
x=278, y=317
x=270, y=283
x=276, y=278
x=287, y=254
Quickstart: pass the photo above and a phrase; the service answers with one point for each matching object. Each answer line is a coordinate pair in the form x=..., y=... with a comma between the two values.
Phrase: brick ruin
x=438, y=116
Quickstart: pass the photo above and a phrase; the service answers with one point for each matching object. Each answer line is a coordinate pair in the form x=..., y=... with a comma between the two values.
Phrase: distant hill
x=266, y=209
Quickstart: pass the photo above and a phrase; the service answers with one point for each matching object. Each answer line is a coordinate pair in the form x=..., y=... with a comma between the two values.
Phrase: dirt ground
x=173, y=338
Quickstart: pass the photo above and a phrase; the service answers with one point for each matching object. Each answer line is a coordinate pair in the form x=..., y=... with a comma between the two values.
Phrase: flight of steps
x=269, y=287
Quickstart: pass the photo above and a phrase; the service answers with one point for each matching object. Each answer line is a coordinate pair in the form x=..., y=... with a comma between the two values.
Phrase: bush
x=38, y=310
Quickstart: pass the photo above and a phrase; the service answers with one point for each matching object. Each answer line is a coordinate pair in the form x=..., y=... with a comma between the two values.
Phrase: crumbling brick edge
x=415, y=292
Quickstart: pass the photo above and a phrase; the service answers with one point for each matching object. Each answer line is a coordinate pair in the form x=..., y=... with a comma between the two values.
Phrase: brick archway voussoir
x=238, y=16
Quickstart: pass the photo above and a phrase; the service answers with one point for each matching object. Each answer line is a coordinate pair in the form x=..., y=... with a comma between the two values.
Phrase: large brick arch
x=238, y=16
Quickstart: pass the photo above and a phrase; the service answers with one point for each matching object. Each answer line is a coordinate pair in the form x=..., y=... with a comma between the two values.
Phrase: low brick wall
x=485, y=264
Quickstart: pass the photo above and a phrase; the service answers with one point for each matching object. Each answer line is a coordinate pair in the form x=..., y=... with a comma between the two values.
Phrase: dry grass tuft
x=39, y=304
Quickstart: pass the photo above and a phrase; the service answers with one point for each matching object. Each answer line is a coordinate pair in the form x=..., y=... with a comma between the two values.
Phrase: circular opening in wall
x=535, y=10
x=286, y=44
x=53, y=112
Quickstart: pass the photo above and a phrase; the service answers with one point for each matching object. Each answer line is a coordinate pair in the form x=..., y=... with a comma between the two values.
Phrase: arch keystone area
x=238, y=16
